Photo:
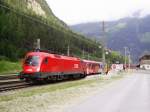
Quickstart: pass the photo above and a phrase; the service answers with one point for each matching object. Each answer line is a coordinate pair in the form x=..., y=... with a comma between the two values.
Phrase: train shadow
x=47, y=82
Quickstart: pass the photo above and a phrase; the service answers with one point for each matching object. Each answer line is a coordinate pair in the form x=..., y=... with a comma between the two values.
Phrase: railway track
x=7, y=77
x=8, y=87
x=11, y=82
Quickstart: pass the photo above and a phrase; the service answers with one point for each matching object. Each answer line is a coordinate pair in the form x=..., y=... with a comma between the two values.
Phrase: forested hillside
x=23, y=21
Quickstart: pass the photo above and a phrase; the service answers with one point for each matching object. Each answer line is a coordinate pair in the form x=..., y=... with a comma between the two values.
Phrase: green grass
x=55, y=87
x=7, y=67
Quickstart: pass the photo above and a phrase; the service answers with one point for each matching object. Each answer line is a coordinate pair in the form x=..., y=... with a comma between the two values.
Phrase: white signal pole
x=38, y=44
x=68, y=50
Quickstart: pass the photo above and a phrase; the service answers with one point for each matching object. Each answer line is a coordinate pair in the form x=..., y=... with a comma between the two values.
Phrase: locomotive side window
x=46, y=61
x=32, y=60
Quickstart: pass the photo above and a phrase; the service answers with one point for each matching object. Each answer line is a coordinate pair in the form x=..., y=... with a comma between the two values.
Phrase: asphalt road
x=132, y=94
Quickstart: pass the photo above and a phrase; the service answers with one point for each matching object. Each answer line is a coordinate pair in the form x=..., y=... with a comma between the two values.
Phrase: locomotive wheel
x=82, y=75
x=28, y=80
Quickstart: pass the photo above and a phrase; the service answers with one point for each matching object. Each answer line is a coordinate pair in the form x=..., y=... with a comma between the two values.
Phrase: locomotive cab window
x=32, y=60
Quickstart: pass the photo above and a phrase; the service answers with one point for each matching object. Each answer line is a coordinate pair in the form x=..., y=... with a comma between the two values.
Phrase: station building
x=145, y=62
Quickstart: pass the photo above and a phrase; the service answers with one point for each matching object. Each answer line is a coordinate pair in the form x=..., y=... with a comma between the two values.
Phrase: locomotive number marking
x=76, y=66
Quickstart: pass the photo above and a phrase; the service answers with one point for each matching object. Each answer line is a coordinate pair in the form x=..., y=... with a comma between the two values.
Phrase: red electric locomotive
x=41, y=65
x=46, y=66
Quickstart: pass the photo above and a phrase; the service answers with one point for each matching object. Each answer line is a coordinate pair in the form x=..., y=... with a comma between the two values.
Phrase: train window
x=46, y=60
x=32, y=60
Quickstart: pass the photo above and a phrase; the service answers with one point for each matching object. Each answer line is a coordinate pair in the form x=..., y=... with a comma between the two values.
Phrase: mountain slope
x=131, y=32
x=23, y=21
x=38, y=8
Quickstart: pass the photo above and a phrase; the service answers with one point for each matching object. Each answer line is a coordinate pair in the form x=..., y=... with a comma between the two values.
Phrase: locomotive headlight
x=38, y=69
x=29, y=70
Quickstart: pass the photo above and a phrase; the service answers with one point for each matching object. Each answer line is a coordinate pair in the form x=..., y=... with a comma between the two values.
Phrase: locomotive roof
x=44, y=54
x=38, y=53
x=90, y=61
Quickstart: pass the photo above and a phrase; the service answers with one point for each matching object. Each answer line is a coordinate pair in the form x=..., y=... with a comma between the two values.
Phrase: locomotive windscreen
x=32, y=60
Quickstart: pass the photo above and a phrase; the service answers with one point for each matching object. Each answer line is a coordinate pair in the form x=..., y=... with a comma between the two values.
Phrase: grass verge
x=55, y=87
x=7, y=67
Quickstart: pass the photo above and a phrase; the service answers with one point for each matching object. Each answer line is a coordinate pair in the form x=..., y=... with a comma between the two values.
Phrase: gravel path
x=131, y=94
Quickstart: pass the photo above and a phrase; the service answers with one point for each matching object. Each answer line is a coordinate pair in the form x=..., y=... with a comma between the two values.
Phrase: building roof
x=145, y=57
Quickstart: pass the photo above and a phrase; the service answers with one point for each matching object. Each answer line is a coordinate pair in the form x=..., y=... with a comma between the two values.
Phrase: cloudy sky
x=81, y=11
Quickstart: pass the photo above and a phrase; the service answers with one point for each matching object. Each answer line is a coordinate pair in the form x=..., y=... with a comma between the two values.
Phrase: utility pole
x=125, y=53
x=88, y=56
x=129, y=59
x=103, y=45
x=83, y=53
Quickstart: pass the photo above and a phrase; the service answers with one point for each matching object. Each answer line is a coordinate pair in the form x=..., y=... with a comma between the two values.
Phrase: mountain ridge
x=133, y=33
